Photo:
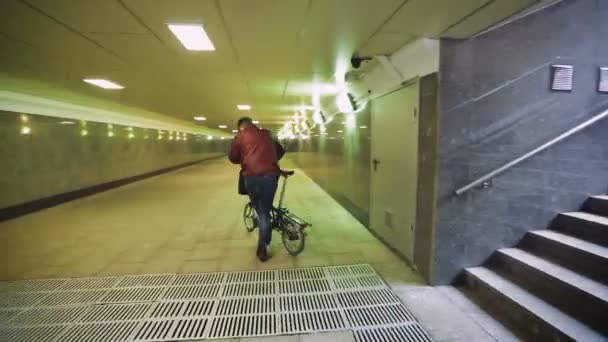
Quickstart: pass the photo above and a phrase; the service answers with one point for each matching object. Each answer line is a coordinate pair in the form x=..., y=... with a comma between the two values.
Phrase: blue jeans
x=261, y=191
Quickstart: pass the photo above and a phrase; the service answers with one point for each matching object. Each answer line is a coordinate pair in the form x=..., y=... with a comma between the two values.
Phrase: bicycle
x=289, y=225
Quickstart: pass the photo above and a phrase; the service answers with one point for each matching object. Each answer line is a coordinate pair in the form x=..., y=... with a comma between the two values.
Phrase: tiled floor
x=187, y=221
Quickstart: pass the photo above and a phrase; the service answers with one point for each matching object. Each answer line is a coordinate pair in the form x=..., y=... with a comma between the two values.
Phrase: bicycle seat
x=286, y=173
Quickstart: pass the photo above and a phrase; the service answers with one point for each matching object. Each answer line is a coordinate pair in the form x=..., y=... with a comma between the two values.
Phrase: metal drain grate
x=72, y=297
x=94, y=332
x=147, y=280
x=198, y=279
x=34, y=285
x=191, y=292
x=246, y=306
x=243, y=326
x=412, y=332
x=304, y=286
x=171, y=330
x=340, y=271
x=302, y=274
x=323, y=301
x=142, y=294
x=30, y=334
x=249, y=289
x=302, y=322
x=48, y=316
x=250, y=277
x=169, y=307
x=371, y=281
x=21, y=300
x=89, y=283
x=379, y=315
x=7, y=315
x=183, y=309
x=117, y=312
x=367, y=298
x=362, y=270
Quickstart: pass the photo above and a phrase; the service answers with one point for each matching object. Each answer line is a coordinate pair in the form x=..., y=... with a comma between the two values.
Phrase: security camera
x=356, y=61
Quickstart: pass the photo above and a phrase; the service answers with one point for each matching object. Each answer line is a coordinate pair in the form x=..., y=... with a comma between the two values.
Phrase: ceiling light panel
x=102, y=83
x=192, y=36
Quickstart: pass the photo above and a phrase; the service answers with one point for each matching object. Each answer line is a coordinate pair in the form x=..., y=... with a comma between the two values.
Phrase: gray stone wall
x=496, y=105
x=56, y=157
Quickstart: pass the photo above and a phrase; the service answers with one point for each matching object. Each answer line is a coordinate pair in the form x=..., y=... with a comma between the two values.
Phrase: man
x=259, y=154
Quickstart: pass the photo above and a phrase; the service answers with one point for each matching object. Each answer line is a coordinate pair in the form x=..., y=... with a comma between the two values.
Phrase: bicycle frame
x=282, y=193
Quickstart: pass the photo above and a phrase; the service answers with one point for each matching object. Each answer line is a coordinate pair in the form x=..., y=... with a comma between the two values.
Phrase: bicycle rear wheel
x=293, y=238
x=250, y=218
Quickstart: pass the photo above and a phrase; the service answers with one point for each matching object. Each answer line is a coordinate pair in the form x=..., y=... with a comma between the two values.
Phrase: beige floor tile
x=207, y=251
x=200, y=266
x=121, y=269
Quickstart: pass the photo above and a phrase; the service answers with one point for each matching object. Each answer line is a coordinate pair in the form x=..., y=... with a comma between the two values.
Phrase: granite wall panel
x=496, y=105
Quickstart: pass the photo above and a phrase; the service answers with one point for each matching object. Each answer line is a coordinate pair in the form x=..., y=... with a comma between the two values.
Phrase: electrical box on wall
x=603, y=80
x=562, y=77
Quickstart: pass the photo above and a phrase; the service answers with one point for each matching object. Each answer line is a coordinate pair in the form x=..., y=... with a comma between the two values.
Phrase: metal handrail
x=532, y=153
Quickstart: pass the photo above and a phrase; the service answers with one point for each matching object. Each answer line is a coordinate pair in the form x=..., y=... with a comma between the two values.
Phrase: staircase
x=554, y=285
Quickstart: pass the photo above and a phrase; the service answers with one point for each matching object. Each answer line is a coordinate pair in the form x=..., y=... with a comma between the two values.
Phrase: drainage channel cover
x=170, y=307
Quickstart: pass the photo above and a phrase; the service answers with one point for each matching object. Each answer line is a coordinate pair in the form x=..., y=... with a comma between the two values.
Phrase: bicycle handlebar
x=286, y=173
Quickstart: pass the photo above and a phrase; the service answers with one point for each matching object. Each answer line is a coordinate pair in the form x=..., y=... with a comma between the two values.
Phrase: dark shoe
x=263, y=254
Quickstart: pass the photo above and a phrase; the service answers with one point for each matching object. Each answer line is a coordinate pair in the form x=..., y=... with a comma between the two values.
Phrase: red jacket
x=257, y=152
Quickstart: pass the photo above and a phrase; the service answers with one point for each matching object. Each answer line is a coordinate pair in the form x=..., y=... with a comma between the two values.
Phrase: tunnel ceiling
x=268, y=52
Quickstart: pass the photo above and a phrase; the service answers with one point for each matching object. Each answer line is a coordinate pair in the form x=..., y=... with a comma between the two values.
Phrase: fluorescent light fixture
x=222, y=126
x=340, y=131
x=363, y=127
x=243, y=107
x=255, y=122
x=105, y=84
x=67, y=123
x=200, y=118
x=192, y=36
x=210, y=137
x=235, y=131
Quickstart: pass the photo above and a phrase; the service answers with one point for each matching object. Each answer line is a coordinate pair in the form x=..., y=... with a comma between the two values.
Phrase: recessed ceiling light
x=222, y=126
x=105, y=84
x=243, y=107
x=200, y=118
x=192, y=36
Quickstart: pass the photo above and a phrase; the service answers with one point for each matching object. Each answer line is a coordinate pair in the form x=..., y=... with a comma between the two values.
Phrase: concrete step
x=597, y=205
x=544, y=321
x=586, y=258
x=586, y=226
x=579, y=296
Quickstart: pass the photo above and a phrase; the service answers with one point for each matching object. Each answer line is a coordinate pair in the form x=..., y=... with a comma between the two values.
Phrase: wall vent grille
x=562, y=77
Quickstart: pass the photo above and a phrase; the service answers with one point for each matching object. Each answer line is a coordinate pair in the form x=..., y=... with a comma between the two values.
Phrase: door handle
x=376, y=162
